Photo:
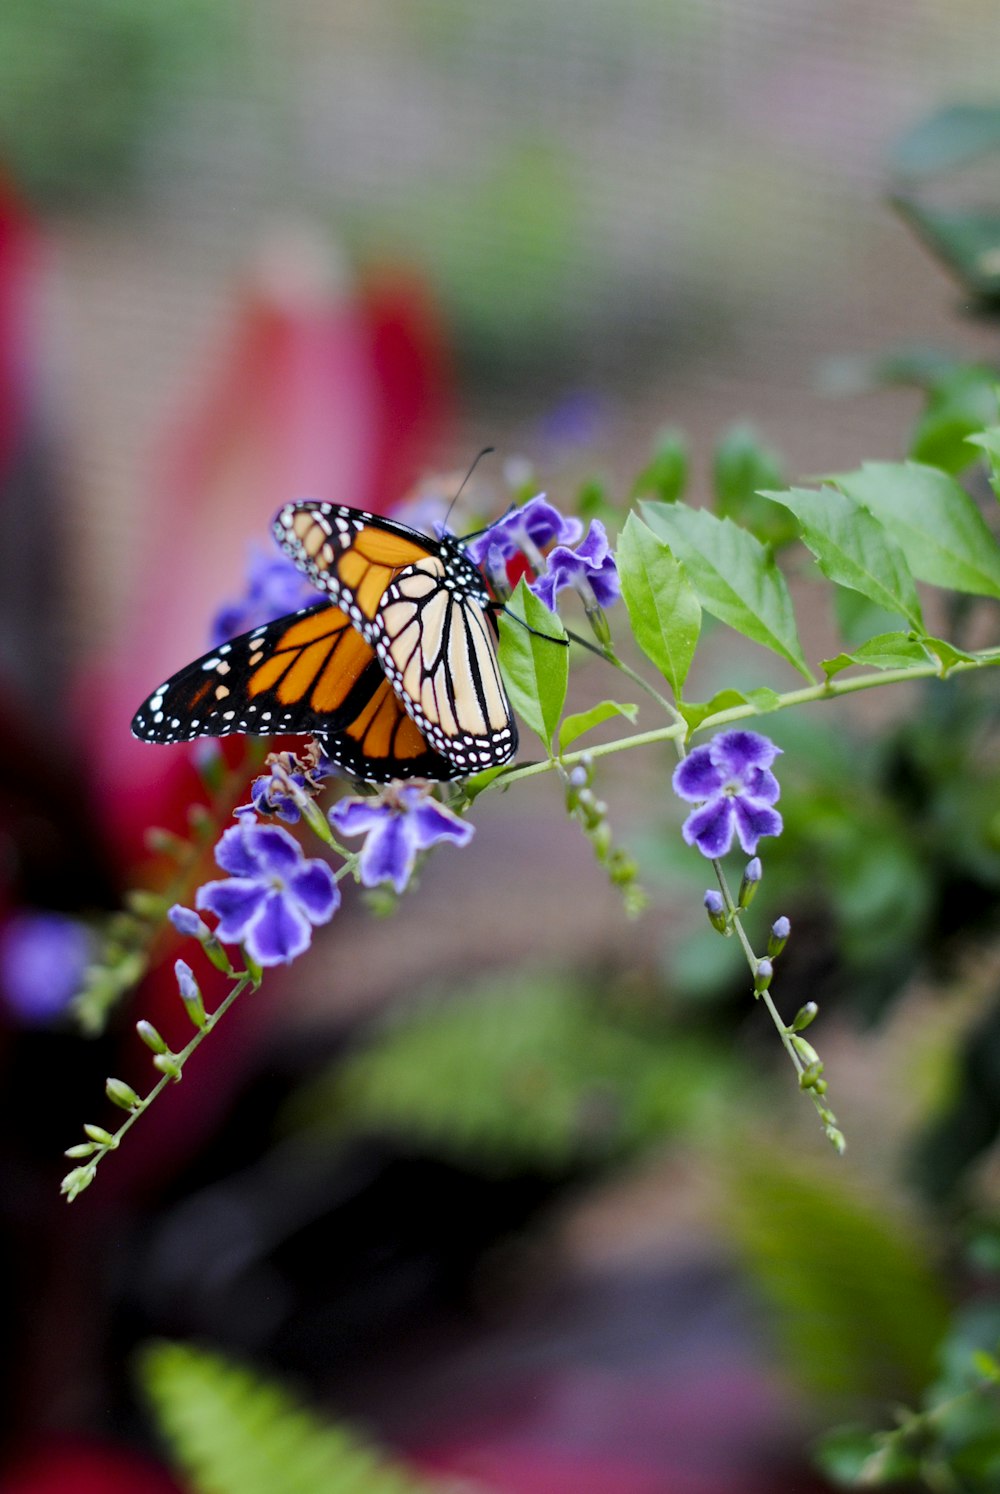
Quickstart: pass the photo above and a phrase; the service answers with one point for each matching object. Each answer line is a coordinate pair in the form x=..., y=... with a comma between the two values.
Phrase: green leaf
x=967, y=241
x=989, y=441
x=233, y=1432
x=584, y=721
x=531, y=1074
x=762, y=700
x=946, y=652
x=855, y=1300
x=535, y=669
x=949, y=138
x=959, y=405
x=741, y=467
x=854, y=549
x=886, y=651
x=662, y=605
x=941, y=532
x=666, y=476
x=734, y=575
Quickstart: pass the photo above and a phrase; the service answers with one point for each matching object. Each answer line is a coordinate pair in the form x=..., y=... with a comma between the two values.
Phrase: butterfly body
x=396, y=672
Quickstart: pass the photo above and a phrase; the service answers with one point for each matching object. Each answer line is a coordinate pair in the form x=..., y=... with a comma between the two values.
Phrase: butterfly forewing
x=422, y=604
x=311, y=673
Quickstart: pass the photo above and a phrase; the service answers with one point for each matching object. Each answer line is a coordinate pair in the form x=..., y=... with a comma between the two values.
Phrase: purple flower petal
x=594, y=548
x=389, y=853
x=277, y=851
x=710, y=828
x=760, y=783
x=235, y=903
x=316, y=892
x=538, y=522
x=431, y=822
x=233, y=852
x=279, y=933
x=754, y=819
x=544, y=588
x=356, y=816
x=697, y=777
x=43, y=957
x=736, y=752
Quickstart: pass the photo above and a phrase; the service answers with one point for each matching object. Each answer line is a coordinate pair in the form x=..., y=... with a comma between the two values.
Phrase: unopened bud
x=167, y=1064
x=751, y=879
x=189, y=993
x=98, y=1134
x=763, y=975
x=121, y=1094
x=715, y=907
x=780, y=930
x=150, y=1036
x=804, y=1016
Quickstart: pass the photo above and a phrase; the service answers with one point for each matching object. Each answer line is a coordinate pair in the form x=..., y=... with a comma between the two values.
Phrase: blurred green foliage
x=535, y=1071
x=81, y=85
x=854, y=1298
x=233, y=1432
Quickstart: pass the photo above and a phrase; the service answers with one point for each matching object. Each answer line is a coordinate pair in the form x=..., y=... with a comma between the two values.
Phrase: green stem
x=829, y=690
x=85, y=1174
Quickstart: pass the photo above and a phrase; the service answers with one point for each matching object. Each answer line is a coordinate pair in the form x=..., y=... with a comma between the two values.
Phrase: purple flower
x=396, y=825
x=43, y=957
x=273, y=894
x=529, y=530
x=731, y=779
x=274, y=586
x=590, y=569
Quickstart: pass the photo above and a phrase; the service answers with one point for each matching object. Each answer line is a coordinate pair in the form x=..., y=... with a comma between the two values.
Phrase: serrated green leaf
x=734, y=575
x=535, y=668
x=938, y=527
x=852, y=548
x=575, y=726
x=946, y=652
x=886, y=651
x=762, y=700
x=662, y=605
x=235, y=1433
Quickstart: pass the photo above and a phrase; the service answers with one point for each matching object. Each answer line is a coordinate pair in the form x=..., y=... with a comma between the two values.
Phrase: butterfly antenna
x=486, y=451
x=502, y=607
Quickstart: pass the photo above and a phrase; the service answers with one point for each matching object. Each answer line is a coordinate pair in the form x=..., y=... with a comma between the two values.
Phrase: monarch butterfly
x=311, y=671
x=426, y=611
x=397, y=673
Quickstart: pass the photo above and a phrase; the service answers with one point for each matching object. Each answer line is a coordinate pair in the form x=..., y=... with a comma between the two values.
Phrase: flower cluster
x=731, y=780
x=273, y=895
x=530, y=531
x=397, y=826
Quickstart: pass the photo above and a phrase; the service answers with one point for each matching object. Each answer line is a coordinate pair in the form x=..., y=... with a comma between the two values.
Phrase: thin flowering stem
x=81, y=1177
x=786, y=1033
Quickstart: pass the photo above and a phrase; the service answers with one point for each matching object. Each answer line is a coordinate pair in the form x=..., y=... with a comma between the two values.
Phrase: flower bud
x=751, y=878
x=150, y=1036
x=780, y=930
x=74, y=1182
x=145, y=904
x=810, y=1076
x=187, y=922
x=804, y=1016
x=189, y=993
x=121, y=1094
x=763, y=975
x=715, y=907
x=83, y=1149
x=167, y=1064
x=98, y=1134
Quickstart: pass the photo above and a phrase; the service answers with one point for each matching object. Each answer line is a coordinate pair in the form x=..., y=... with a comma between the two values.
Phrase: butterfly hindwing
x=311, y=672
x=423, y=606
